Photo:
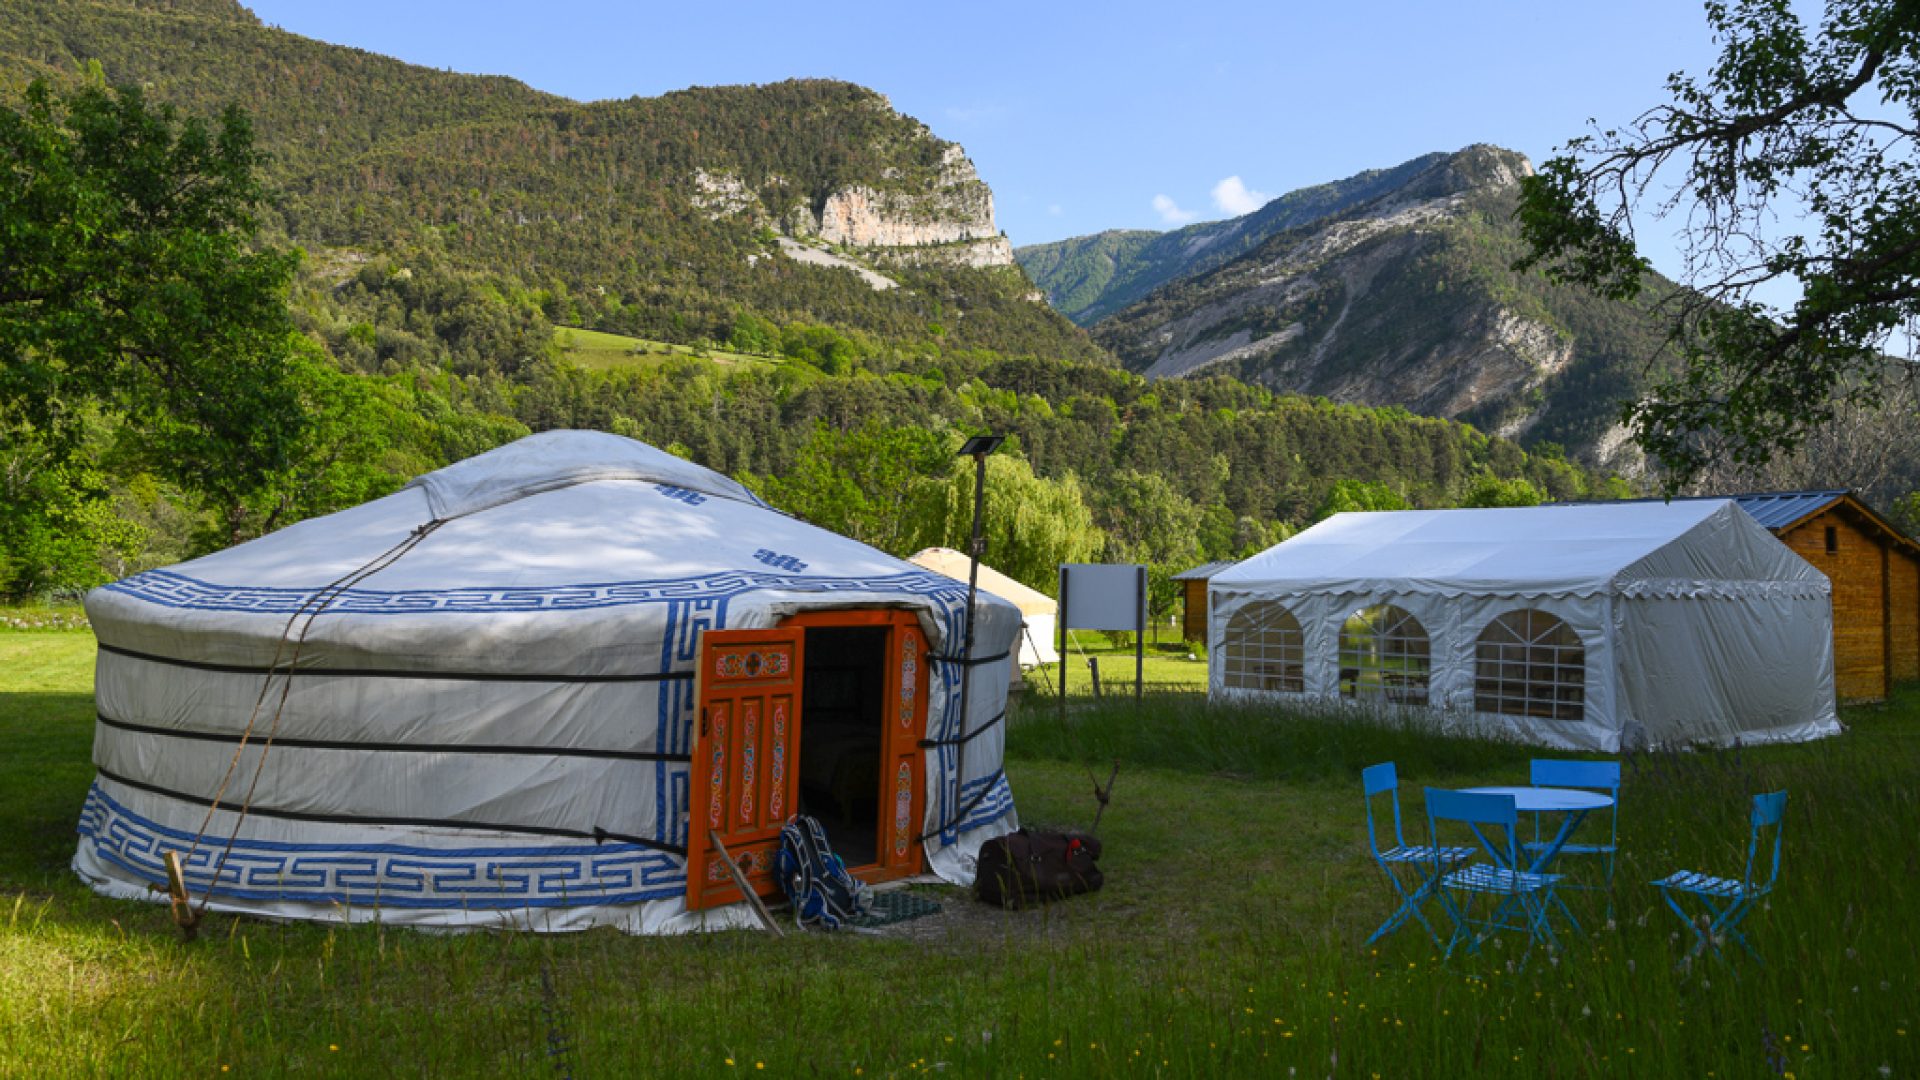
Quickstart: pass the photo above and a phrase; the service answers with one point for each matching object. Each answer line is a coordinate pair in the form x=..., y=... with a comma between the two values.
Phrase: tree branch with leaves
x=1792, y=165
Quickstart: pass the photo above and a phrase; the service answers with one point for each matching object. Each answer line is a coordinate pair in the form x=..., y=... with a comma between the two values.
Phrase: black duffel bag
x=1023, y=868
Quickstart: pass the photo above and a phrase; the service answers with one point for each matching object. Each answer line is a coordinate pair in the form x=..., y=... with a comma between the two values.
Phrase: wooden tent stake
x=740, y=879
x=183, y=914
x=1103, y=795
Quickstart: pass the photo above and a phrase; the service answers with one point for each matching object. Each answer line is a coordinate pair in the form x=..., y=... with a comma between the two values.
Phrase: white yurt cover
x=501, y=686
x=1698, y=625
x=1037, y=609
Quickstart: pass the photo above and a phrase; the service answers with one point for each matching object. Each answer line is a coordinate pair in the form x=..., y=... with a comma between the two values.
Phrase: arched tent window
x=1530, y=663
x=1384, y=654
x=1264, y=649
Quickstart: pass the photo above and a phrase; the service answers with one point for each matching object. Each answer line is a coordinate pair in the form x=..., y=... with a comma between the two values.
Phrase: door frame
x=902, y=791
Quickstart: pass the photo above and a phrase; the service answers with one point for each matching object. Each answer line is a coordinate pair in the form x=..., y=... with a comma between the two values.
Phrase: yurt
x=540, y=687
x=1037, y=609
x=1582, y=627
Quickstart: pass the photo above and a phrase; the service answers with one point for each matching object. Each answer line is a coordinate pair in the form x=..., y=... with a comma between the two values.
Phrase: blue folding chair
x=1727, y=900
x=1520, y=894
x=1593, y=775
x=1384, y=779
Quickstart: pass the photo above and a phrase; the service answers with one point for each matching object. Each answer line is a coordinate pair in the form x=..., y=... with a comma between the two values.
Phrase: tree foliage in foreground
x=1790, y=126
x=138, y=316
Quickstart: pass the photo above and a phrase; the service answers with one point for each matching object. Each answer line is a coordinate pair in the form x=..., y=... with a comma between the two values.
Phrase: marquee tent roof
x=1580, y=550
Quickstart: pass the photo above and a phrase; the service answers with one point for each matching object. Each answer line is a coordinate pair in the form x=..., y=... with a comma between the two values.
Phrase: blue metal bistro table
x=1572, y=804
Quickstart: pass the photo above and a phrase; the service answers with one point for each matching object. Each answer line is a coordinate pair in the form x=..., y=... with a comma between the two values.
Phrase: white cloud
x=1233, y=196
x=1170, y=211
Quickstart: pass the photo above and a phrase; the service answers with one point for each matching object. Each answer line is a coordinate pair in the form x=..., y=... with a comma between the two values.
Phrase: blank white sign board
x=1097, y=596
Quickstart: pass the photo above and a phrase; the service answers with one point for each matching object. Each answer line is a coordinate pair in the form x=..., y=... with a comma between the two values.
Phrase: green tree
x=1147, y=521
x=1352, y=495
x=131, y=287
x=1814, y=129
x=880, y=485
x=1491, y=490
x=1032, y=523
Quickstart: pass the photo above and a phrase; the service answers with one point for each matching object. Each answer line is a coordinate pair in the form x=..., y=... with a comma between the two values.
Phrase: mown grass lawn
x=598, y=349
x=1226, y=943
x=1169, y=665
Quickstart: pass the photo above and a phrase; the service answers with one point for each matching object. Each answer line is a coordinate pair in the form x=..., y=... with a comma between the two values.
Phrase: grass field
x=1227, y=941
x=1169, y=666
x=594, y=349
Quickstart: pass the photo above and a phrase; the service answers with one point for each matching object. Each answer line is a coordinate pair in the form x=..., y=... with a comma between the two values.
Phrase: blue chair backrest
x=1376, y=779
x=1475, y=809
x=1547, y=772
x=1768, y=810
x=1471, y=807
x=1379, y=778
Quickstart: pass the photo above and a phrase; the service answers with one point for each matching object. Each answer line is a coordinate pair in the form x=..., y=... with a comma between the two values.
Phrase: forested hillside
x=599, y=205
x=451, y=224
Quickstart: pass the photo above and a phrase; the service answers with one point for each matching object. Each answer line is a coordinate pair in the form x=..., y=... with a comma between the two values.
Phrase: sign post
x=1095, y=596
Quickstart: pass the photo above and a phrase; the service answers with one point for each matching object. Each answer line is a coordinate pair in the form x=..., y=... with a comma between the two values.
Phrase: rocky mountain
x=1389, y=288
x=805, y=202
x=1088, y=278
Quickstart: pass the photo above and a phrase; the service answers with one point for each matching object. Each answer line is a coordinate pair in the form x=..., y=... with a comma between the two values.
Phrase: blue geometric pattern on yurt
x=168, y=589
x=996, y=805
x=780, y=562
x=680, y=494
x=388, y=875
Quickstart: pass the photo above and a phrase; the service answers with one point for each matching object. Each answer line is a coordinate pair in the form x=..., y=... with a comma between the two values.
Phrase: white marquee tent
x=1037, y=609
x=499, y=670
x=1582, y=627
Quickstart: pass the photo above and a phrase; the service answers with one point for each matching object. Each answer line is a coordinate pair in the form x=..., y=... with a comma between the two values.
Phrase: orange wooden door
x=902, y=795
x=745, y=772
x=903, y=772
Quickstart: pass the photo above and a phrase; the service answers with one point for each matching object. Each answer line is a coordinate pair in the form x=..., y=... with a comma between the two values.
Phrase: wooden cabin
x=1193, y=587
x=1875, y=570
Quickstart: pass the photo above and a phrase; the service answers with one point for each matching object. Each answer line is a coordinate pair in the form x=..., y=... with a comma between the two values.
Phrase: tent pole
x=1140, y=637
x=978, y=448
x=1064, y=616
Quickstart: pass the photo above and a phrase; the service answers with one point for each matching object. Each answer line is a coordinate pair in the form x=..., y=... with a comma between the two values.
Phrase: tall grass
x=1227, y=942
x=1288, y=742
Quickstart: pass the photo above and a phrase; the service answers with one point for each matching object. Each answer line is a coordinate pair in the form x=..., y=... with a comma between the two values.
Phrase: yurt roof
x=1669, y=548
x=953, y=564
x=562, y=527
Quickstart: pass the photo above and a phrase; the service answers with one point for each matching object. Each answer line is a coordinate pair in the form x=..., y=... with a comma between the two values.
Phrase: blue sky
x=1090, y=117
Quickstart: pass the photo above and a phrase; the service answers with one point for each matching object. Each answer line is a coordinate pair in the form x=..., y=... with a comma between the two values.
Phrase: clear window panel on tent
x=1530, y=663
x=1264, y=649
x=1384, y=656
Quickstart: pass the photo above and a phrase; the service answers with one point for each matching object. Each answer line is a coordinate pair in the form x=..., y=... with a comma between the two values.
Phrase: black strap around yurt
x=961, y=661
x=393, y=673
x=368, y=746
x=928, y=744
x=961, y=814
x=596, y=834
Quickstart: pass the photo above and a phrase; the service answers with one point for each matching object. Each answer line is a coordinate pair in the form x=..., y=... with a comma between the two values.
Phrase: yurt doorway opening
x=840, y=739
x=822, y=714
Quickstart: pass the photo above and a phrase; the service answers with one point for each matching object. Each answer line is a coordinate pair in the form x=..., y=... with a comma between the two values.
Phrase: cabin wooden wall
x=1864, y=625
x=1905, y=605
x=1193, y=621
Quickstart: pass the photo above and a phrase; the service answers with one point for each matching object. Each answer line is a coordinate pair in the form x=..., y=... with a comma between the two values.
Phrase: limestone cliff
x=939, y=215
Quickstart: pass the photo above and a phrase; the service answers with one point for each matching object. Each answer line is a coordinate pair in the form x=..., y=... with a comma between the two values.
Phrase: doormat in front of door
x=895, y=906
